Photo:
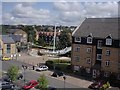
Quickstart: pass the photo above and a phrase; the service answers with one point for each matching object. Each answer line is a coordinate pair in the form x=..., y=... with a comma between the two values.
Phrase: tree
x=64, y=40
x=13, y=72
x=43, y=82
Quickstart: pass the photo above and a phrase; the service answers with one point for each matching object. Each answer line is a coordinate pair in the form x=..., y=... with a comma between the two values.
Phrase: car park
x=42, y=68
x=30, y=84
x=6, y=85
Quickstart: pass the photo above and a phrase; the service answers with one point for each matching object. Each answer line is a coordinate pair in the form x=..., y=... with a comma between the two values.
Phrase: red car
x=99, y=84
x=30, y=85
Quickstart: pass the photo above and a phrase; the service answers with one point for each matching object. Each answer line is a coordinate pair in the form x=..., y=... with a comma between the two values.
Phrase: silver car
x=42, y=68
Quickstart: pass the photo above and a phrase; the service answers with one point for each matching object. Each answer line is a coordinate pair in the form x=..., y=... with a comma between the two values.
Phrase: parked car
x=6, y=58
x=6, y=85
x=30, y=84
x=57, y=73
x=42, y=68
x=99, y=84
x=6, y=79
x=20, y=76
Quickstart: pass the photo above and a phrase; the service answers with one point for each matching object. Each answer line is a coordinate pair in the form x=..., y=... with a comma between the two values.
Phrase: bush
x=50, y=64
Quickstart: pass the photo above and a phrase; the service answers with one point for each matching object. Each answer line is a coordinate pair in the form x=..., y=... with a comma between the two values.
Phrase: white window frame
x=107, y=63
x=98, y=56
x=108, y=41
x=89, y=40
x=108, y=52
x=77, y=39
x=99, y=44
x=88, y=60
x=89, y=50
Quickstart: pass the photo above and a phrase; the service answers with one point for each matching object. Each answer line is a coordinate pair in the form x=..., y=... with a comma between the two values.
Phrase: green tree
x=64, y=40
x=43, y=82
x=13, y=72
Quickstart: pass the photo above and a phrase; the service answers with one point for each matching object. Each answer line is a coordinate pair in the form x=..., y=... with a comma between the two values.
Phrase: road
x=31, y=74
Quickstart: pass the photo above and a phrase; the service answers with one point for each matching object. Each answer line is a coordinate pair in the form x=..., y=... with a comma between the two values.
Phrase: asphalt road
x=30, y=74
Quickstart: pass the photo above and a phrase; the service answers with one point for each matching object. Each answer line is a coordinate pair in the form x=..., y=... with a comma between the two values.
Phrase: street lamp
x=64, y=77
x=24, y=68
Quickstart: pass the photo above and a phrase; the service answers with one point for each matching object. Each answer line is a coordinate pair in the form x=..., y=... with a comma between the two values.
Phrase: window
x=99, y=57
x=89, y=40
x=108, y=52
x=107, y=63
x=118, y=77
x=88, y=60
x=88, y=70
x=108, y=41
x=77, y=58
x=76, y=68
x=99, y=44
x=89, y=50
x=77, y=39
x=8, y=48
x=77, y=49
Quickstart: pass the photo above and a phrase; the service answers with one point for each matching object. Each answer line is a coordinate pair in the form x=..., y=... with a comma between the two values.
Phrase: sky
x=51, y=12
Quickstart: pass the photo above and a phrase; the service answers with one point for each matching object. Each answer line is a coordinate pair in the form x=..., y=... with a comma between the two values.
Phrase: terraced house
x=96, y=47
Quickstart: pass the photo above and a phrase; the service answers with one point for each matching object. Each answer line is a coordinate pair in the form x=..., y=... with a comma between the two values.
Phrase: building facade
x=8, y=46
x=96, y=47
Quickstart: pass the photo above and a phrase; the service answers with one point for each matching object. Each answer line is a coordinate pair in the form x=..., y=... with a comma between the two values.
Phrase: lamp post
x=64, y=77
x=24, y=68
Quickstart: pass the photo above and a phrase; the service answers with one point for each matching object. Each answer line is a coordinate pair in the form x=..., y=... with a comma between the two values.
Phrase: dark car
x=57, y=73
x=6, y=79
x=6, y=86
x=99, y=84
x=20, y=76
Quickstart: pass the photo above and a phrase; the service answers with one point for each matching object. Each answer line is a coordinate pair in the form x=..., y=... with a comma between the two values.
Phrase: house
x=96, y=47
x=8, y=47
x=19, y=32
x=17, y=39
x=48, y=36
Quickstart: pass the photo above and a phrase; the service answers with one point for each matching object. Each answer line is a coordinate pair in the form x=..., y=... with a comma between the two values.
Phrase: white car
x=42, y=68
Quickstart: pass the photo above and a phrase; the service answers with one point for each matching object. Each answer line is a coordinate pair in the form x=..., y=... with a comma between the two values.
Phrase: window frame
x=89, y=49
x=89, y=40
x=8, y=48
x=88, y=60
x=107, y=63
x=77, y=49
x=98, y=58
x=109, y=41
x=99, y=44
x=108, y=54
x=76, y=39
x=77, y=58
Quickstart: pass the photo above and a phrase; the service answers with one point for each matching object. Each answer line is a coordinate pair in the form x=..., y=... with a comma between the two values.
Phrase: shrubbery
x=61, y=65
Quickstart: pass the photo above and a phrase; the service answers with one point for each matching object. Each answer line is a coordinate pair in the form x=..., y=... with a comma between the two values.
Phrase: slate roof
x=6, y=39
x=16, y=38
x=99, y=27
x=12, y=31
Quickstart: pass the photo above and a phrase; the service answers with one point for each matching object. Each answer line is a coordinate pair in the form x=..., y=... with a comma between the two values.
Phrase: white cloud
x=25, y=13
x=66, y=13
x=74, y=11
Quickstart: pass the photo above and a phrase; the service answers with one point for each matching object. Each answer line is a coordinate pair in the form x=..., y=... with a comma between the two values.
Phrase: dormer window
x=89, y=39
x=109, y=40
x=77, y=39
